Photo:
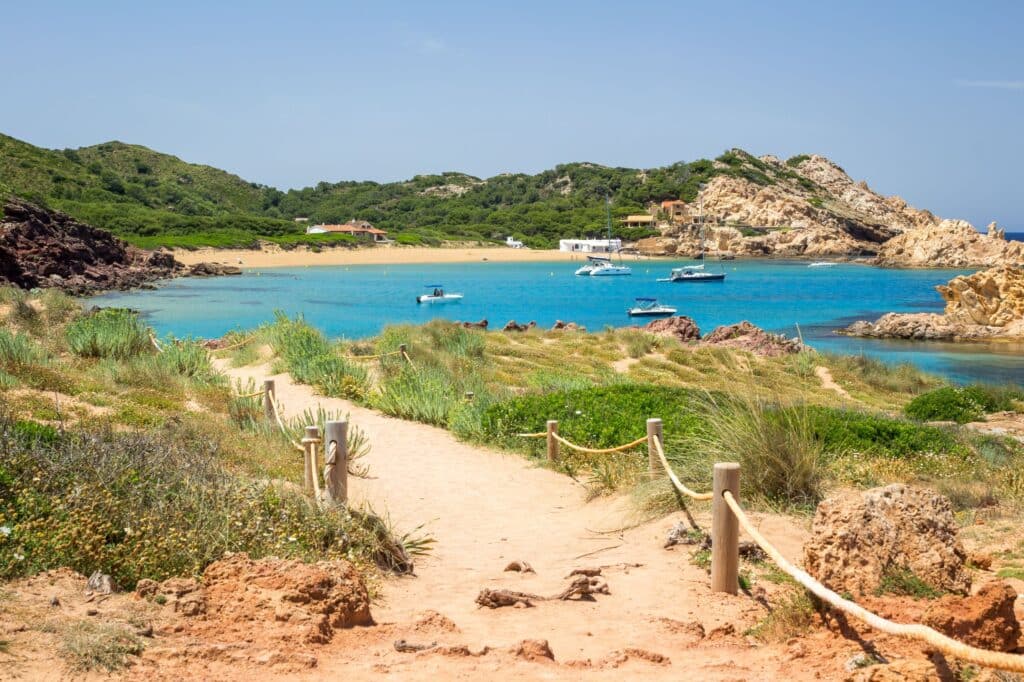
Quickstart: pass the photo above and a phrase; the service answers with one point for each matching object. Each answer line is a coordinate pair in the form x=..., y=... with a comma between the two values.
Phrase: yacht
x=607, y=269
x=438, y=295
x=693, y=273
x=649, y=307
x=593, y=262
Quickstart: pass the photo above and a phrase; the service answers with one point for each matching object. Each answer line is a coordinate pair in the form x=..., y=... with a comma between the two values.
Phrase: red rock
x=984, y=620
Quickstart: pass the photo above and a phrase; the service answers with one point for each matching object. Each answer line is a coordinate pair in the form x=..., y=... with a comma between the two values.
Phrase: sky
x=921, y=99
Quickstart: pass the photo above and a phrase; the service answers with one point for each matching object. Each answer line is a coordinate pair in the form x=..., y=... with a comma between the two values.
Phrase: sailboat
x=593, y=262
x=604, y=267
x=695, y=273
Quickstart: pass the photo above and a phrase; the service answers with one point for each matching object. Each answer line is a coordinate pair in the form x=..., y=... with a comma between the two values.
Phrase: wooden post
x=552, y=443
x=725, y=529
x=654, y=428
x=336, y=468
x=268, y=404
x=311, y=469
x=405, y=351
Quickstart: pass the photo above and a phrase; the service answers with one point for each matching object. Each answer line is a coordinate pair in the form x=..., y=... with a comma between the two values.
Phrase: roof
x=672, y=202
x=350, y=228
x=639, y=219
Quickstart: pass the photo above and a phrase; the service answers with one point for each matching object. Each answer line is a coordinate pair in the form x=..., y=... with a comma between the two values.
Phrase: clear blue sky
x=923, y=99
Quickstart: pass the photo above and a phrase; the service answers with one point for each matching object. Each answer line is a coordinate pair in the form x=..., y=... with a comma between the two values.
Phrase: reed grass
x=109, y=333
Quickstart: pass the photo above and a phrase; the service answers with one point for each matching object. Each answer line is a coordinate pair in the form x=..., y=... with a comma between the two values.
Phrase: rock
x=749, y=337
x=101, y=583
x=984, y=620
x=950, y=244
x=986, y=305
x=44, y=248
x=513, y=326
x=213, y=270
x=567, y=326
x=146, y=588
x=858, y=537
x=678, y=327
x=482, y=324
x=534, y=650
x=683, y=534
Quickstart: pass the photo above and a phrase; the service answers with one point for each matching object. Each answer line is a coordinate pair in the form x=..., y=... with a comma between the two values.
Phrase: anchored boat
x=822, y=264
x=693, y=273
x=437, y=295
x=593, y=262
x=649, y=307
x=601, y=266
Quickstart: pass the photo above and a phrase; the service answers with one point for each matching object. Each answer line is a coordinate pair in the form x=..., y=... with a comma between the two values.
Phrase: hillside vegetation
x=153, y=199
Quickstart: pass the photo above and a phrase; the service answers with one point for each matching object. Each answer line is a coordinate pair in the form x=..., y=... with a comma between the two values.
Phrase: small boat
x=606, y=269
x=649, y=307
x=437, y=295
x=593, y=262
x=693, y=273
x=822, y=264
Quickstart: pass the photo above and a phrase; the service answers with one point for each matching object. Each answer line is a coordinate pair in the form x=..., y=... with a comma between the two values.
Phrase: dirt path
x=828, y=383
x=485, y=509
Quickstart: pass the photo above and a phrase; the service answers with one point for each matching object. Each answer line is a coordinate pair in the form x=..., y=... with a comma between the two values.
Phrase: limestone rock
x=950, y=244
x=213, y=270
x=101, y=583
x=858, y=537
x=984, y=620
x=678, y=327
x=749, y=337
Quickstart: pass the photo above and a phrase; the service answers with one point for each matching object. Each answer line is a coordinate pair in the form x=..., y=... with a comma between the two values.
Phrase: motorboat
x=437, y=295
x=822, y=264
x=592, y=262
x=607, y=269
x=693, y=273
x=649, y=307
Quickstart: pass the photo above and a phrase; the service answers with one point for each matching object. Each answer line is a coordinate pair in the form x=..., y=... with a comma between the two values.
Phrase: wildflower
x=5, y=531
x=19, y=557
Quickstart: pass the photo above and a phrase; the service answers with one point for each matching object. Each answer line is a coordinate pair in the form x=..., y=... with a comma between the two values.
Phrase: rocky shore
x=41, y=248
x=988, y=305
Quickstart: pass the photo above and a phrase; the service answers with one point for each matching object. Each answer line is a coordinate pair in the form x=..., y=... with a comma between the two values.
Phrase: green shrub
x=905, y=583
x=109, y=333
x=19, y=352
x=961, y=404
x=189, y=359
x=311, y=359
x=426, y=394
x=851, y=431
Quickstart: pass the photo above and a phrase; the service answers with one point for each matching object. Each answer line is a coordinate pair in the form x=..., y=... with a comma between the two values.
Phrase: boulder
x=678, y=327
x=950, y=244
x=749, y=337
x=213, y=270
x=567, y=326
x=985, y=619
x=858, y=538
x=513, y=326
x=101, y=583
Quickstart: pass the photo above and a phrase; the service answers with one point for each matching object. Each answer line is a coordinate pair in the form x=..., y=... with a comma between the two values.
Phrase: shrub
x=851, y=431
x=427, y=395
x=949, y=403
x=109, y=333
x=311, y=359
x=19, y=352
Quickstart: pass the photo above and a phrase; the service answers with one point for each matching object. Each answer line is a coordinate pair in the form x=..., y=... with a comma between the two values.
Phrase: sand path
x=484, y=509
x=829, y=383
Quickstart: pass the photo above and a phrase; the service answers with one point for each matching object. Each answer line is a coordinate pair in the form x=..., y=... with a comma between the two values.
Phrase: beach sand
x=271, y=258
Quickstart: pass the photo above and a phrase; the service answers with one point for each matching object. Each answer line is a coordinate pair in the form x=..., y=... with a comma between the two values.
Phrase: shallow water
x=357, y=301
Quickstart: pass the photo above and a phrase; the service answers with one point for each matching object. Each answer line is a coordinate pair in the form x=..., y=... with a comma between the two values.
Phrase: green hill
x=153, y=199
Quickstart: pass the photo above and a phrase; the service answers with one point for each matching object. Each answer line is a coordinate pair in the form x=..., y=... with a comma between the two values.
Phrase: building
x=590, y=245
x=360, y=229
x=513, y=243
x=676, y=211
x=647, y=221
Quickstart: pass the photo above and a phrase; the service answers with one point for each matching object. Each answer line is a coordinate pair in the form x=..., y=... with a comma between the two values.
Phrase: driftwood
x=409, y=648
x=585, y=583
x=494, y=599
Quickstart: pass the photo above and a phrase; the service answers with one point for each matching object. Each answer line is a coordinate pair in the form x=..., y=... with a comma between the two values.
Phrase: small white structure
x=513, y=243
x=590, y=245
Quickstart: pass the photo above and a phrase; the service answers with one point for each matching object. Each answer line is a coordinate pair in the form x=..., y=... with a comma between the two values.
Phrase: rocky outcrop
x=213, y=270
x=985, y=619
x=680, y=328
x=950, y=244
x=859, y=538
x=983, y=306
x=44, y=248
x=753, y=339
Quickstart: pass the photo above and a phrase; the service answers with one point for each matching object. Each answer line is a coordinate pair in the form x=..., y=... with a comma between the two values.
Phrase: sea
x=787, y=297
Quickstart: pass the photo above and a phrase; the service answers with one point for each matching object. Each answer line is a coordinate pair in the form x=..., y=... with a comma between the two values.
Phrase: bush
x=109, y=333
x=311, y=359
x=427, y=395
x=152, y=505
x=19, y=352
x=189, y=359
x=961, y=404
x=854, y=432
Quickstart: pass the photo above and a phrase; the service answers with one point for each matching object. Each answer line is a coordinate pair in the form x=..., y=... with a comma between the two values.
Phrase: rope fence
x=728, y=517
x=236, y=345
x=156, y=344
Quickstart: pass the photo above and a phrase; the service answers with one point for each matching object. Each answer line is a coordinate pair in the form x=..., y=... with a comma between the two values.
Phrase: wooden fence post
x=268, y=399
x=404, y=350
x=654, y=428
x=725, y=529
x=311, y=469
x=552, y=443
x=336, y=468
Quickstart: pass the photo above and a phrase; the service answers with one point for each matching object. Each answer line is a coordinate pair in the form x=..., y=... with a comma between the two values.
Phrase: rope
x=373, y=357
x=595, y=451
x=236, y=345
x=408, y=359
x=672, y=475
x=947, y=645
x=313, y=463
x=156, y=344
x=539, y=434
x=250, y=395
x=277, y=415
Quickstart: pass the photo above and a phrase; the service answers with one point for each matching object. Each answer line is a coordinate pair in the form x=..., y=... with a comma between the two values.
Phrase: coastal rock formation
x=859, y=538
x=44, y=248
x=985, y=305
x=678, y=327
x=751, y=338
x=985, y=619
x=213, y=270
x=950, y=244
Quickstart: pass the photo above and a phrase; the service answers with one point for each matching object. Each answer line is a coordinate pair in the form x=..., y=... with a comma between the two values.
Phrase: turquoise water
x=357, y=301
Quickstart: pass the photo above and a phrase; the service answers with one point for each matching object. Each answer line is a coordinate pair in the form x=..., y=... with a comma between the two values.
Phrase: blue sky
x=922, y=99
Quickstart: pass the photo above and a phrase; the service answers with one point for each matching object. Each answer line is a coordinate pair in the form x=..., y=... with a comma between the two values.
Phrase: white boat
x=693, y=273
x=649, y=307
x=609, y=270
x=593, y=261
x=822, y=264
x=438, y=295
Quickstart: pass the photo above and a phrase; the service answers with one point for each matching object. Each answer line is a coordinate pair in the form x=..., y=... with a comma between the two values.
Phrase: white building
x=513, y=243
x=590, y=245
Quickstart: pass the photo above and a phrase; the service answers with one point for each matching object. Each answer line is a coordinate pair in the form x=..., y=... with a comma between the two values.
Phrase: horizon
x=925, y=107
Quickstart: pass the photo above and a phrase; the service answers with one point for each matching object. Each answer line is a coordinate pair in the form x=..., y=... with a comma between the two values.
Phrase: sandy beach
x=255, y=258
